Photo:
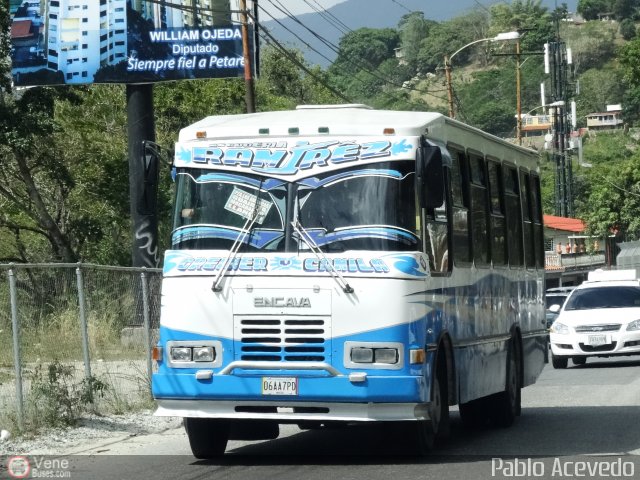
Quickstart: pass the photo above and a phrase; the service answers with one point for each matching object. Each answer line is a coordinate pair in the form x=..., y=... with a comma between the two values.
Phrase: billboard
x=57, y=42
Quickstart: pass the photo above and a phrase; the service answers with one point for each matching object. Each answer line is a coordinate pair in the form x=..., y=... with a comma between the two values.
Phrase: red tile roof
x=21, y=29
x=566, y=224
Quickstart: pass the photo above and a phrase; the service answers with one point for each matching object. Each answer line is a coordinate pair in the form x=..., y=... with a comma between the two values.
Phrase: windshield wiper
x=304, y=236
x=235, y=248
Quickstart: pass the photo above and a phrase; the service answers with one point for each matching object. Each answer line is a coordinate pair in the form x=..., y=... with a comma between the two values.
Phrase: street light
x=501, y=37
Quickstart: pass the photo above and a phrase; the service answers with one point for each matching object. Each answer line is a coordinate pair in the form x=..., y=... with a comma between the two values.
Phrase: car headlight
x=635, y=325
x=559, y=328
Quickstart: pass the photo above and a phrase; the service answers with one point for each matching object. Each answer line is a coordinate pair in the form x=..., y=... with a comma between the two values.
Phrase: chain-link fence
x=75, y=336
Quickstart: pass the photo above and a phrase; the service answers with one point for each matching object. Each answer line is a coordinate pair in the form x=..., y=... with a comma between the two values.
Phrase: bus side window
x=538, y=231
x=498, y=227
x=460, y=208
x=479, y=209
x=513, y=215
x=527, y=226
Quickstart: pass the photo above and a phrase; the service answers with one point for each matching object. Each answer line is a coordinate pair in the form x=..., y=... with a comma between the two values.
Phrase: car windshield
x=604, y=297
x=372, y=208
x=555, y=299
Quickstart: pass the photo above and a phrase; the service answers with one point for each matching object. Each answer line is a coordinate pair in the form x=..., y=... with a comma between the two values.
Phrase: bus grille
x=283, y=339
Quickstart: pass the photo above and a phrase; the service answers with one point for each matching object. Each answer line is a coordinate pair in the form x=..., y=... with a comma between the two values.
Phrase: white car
x=600, y=318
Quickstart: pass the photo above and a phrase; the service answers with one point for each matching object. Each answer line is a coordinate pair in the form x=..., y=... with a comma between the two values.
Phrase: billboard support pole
x=250, y=98
x=141, y=128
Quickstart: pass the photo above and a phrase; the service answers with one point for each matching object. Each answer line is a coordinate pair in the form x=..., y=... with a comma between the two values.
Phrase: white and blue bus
x=338, y=264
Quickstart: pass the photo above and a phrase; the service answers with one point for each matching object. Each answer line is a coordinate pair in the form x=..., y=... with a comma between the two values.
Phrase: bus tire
x=436, y=429
x=505, y=406
x=559, y=362
x=208, y=437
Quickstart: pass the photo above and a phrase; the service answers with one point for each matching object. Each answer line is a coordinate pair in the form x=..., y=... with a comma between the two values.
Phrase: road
x=586, y=414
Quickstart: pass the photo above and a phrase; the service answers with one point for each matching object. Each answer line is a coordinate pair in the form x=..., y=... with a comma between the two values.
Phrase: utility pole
x=557, y=53
x=250, y=98
x=447, y=73
x=518, y=95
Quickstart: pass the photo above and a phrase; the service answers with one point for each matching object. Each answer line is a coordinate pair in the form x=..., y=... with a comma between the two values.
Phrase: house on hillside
x=611, y=119
x=569, y=253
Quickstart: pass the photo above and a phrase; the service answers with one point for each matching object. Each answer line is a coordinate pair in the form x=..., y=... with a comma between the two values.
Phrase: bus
x=333, y=265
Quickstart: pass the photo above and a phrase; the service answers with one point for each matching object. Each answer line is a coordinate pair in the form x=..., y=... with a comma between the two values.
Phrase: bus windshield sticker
x=244, y=204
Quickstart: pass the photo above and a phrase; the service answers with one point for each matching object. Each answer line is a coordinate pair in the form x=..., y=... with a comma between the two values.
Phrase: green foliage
x=523, y=15
x=627, y=29
x=364, y=49
x=612, y=196
x=590, y=9
x=447, y=37
x=413, y=29
x=58, y=399
x=598, y=88
x=592, y=45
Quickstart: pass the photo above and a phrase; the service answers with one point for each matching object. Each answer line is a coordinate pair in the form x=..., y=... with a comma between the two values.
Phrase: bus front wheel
x=208, y=437
x=437, y=427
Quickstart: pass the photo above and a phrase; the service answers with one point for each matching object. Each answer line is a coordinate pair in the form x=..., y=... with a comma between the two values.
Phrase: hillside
x=379, y=14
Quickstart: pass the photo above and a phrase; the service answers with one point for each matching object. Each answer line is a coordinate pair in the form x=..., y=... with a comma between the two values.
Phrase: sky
x=299, y=7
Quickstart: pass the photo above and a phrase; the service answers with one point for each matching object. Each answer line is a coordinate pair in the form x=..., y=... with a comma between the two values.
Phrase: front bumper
x=580, y=344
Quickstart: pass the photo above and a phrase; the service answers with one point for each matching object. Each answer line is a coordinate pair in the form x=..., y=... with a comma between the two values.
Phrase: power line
x=326, y=13
x=295, y=61
x=336, y=49
x=400, y=5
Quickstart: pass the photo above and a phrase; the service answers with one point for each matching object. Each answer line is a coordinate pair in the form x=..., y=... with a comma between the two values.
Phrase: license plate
x=597, y=340
x=279, y=386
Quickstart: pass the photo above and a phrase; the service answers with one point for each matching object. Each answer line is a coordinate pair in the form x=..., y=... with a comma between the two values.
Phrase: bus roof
x=318, y=120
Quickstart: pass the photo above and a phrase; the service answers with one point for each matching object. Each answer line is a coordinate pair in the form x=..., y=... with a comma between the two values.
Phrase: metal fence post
x=83, y=323
x=147, y=324
x=16, y=347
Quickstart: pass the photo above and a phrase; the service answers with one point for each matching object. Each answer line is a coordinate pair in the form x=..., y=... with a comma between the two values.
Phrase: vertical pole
x=518, y=95
x=248, y=74
x=447, y=74
x=141, y=127
x=83, y=323
x=147, y=324
x=17, y=360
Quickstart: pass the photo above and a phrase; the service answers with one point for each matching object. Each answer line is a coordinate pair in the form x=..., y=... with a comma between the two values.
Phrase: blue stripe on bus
x=404, y=385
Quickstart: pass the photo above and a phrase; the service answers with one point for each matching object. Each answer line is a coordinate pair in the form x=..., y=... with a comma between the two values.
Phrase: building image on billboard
x=123, y=41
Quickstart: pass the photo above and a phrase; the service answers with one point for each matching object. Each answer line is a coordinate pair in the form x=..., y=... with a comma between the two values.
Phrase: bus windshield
x=372, y=208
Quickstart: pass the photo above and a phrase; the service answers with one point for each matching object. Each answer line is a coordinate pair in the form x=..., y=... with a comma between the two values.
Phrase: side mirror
x=430, y=177
x=554, y=308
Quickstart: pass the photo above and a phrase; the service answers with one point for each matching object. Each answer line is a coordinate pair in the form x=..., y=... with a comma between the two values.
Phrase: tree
x=364, y=49
x=629, y=58
x=627, y=29
x=590, y=9
x=447, y=37
x=598, y=88
x=527, y=16
x=413, y=29
x=612, y=195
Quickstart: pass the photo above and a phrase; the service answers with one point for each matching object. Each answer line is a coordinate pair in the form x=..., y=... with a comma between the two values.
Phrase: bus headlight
x=386, y=355
x=374, y=355
x=203, y=354
x=194, y=353
x=180, y=354
x=362, y=355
